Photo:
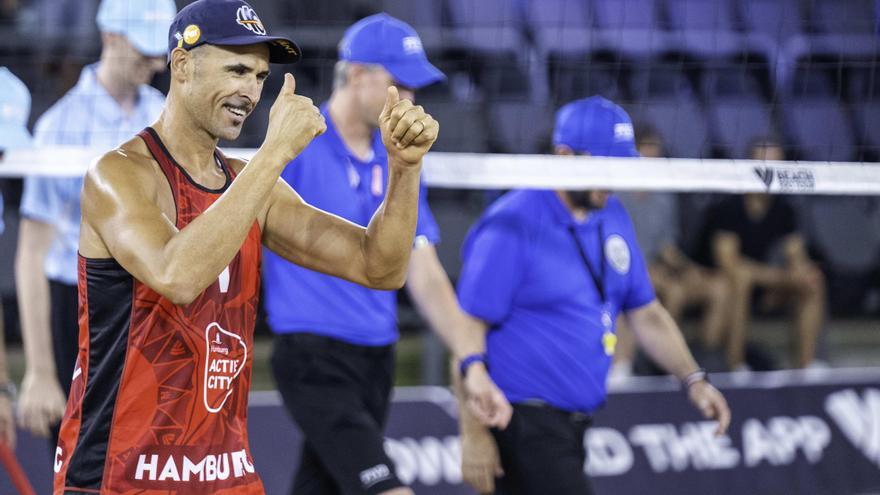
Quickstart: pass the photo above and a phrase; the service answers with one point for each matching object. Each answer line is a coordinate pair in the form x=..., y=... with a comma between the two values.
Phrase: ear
x=181, y=60
x=562, y=149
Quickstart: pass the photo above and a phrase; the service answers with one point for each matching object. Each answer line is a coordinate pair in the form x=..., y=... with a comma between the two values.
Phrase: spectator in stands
x=111, y=102
x=548, y=272
x=15, y=107
x=754, y=240
x=333, y=358
x=678, y=281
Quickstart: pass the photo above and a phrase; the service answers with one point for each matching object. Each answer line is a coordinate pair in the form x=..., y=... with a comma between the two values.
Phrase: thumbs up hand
x=407, y=130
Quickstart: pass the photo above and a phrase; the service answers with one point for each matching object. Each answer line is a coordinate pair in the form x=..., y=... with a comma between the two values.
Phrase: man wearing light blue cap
x=15, y=107
x=545, y=275
x=333, y=357
x=110, y=102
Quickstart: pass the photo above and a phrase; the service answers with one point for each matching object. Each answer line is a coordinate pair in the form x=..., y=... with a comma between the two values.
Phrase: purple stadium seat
x=843, y=16
x=464, y=126
x=680, y=122
x=426, y=16
x=490, y=26
x=819, y=128
x=737, y=121
x=706, y=28
x=559, y=26
x=630, y=27
x=777, y=19
x=867, y=119
x=520, y=127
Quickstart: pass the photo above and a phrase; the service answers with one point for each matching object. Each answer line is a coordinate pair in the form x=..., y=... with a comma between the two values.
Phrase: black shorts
x=338, y=394
x=65, y=338
x=542, y=451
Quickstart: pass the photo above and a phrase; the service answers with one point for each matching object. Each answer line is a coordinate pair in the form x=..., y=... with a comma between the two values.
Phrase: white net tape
x=497, y=171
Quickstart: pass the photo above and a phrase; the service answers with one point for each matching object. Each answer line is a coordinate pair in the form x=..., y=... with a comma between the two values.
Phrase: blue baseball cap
x=15, y=107
x=597, y=126
x=144, y=22
x=230, y=23
x=393, y=44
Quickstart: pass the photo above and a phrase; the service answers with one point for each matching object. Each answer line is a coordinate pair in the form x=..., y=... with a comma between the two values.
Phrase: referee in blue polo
x=333, y=357
x=545, y=275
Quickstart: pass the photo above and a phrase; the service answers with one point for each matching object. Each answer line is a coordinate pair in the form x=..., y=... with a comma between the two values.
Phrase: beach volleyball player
x=169, y=262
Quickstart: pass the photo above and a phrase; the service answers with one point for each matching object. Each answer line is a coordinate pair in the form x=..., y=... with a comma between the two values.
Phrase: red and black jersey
x=159, y=396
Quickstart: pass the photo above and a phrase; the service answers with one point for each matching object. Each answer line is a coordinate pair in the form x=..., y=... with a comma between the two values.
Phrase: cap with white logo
x=144, y=22
x=227, y=22
x=393, y=44
x=15, y=107
x=597, y=126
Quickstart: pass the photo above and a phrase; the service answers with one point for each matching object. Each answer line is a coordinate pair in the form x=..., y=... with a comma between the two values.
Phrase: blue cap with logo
x=393, y=44
x=230, y=23
x=597, y=126
x=15, y=107
x=144, y=22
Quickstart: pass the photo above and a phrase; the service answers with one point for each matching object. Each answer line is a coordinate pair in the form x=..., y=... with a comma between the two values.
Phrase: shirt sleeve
x=494, y=264
x=641, y=290
x=426, y=226
x=42, y=200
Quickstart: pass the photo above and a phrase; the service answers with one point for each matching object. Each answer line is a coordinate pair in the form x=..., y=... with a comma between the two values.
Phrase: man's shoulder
x=521, y=208
x=130, y=162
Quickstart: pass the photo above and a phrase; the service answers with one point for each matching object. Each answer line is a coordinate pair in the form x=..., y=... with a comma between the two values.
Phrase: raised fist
x=407, y=131
x=293, y=122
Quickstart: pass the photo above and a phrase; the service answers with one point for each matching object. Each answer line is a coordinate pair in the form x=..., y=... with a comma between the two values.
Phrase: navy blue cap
x=393, y=44
x=597, y=126
x=226, y=22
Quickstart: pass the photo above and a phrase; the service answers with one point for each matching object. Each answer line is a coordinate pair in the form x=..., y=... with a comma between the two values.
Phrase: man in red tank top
x=169, y=263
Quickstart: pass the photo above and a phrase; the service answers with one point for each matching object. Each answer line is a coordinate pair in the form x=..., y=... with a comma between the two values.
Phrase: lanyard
x=598, y=280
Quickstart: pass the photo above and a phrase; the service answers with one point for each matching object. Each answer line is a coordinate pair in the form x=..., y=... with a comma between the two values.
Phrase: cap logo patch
x=412, y=44
x=248, y=18
x=623, y=132
x=191, y=34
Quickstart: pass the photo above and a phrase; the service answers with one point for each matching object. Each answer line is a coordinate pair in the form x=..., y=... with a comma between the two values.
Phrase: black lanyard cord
x=598, y=281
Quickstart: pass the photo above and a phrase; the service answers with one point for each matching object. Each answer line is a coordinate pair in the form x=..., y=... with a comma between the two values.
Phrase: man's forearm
x=389, y=236
x=662, y=340
x=32, y=289
x=198, y=253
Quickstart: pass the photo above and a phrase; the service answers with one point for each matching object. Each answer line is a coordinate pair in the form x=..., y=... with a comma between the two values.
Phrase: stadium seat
x=820, y=129
x=560, y=27
x=780, y=20
x=490, y=35
x=705, y=28
x=520, y=127
x=571, y=78
x=737, y=110
x=679, y=120
x=630, y=27
x=462, y=126
x=843, y=17
x=490, y=26
x=426, y=16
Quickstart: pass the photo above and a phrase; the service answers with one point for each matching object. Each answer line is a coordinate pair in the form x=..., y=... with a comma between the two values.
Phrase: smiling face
x=221, y=85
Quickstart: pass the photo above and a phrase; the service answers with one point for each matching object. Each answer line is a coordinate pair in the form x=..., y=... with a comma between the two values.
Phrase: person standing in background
x=333, y=358
x=15, y=107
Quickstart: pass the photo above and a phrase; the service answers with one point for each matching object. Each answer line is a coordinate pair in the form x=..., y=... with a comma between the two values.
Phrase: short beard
x=580, y=199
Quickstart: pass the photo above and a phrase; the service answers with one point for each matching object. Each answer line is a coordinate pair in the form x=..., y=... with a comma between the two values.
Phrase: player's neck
x=187, y=142
x=122, y=93
x=351, y=128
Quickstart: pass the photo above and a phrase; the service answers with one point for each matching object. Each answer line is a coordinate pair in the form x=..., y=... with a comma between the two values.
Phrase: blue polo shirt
x=524, y=275
x=328, y=176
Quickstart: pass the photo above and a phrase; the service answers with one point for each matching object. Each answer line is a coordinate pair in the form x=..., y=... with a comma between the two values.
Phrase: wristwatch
x=470, y=359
